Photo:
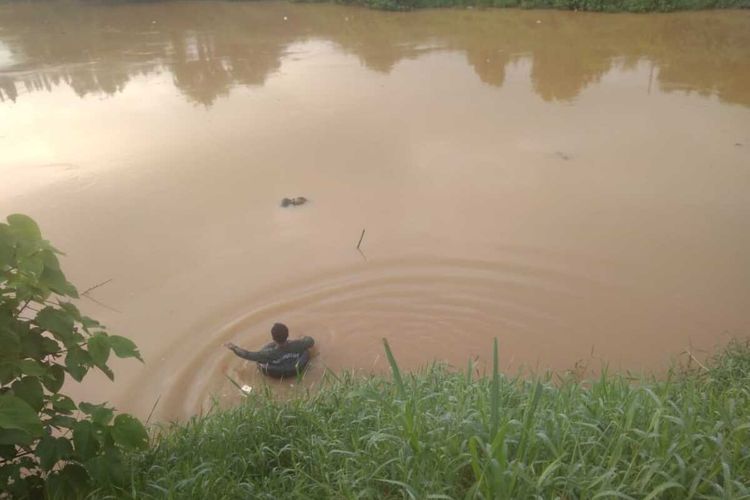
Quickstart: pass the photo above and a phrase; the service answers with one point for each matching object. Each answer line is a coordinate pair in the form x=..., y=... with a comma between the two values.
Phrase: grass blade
x=394, y=368
x=495, y=394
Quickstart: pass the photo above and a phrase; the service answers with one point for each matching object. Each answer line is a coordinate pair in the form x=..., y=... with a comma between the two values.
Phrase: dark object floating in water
x=299, y=200
x=562, y=155
x=286, y=368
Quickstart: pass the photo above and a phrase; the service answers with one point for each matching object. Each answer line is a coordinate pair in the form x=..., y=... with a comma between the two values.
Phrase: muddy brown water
x=576, y=185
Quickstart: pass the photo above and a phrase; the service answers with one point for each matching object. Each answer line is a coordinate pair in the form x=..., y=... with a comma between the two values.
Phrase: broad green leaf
x=89, y=323
x=7, y=451
x=31, y=265
x=8, y=372
x=62, y=421
x=78, y=363
x=34, y=483
x=124, y=347
x=6, y=247
x=11, y=345
x=26, y=247
x=55, y=280
x=107, y=371
x=64, y=448
x=15, y=437
x=10, y=477
x=31, y=367
x=50, y=346
x=72, y=310
x=69, y=482
x=15, y=413
x=18, y=488
x=50, y=259
x=30, y=390
x=84, y=439
x=8, y=308
x=24, y=292
x=24, y=226
x=98, y=345
x=6, y=259
x=63, y=404
x=100, y=414
x=51, y=450
x=129, y=432
x=108, y=468
x=46, y=450
x=54, y=378
x=31, y=345
x=57, y=321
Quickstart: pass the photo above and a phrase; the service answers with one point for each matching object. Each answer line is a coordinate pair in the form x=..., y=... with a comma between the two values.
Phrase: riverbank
x=582, y=5
x=446, y=434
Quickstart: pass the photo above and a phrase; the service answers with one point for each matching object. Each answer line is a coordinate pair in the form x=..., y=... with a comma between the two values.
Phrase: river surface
x=576, y=185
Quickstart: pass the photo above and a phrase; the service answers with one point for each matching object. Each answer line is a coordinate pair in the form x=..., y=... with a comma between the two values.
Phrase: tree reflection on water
x=211, y=47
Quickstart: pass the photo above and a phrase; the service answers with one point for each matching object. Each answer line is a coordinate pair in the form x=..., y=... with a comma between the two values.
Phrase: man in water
x=280, y=352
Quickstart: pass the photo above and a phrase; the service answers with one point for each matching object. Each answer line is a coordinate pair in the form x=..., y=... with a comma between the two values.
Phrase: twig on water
x=96, y=286
x=85, y=293
x=92, y=299
x=696, y=360
x=153, y=408
x=234, y=383
x=361, y=237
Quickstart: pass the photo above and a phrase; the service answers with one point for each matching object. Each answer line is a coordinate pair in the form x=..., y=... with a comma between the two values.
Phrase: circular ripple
x=429, y=308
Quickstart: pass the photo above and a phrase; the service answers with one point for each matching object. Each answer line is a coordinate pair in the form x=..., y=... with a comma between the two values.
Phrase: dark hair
x=279, y=332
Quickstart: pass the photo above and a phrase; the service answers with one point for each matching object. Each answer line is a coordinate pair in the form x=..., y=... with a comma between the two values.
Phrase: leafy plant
x=440, y=433
x=49, y=445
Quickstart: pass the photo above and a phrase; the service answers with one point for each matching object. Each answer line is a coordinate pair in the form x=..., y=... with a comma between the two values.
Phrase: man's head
x=279, y=332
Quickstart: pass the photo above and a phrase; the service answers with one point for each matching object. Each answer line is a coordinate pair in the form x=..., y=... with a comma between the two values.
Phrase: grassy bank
x=584, y=5
x=442, y=434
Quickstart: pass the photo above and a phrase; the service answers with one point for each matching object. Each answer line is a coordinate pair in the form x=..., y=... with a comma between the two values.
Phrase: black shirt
x=273, y=353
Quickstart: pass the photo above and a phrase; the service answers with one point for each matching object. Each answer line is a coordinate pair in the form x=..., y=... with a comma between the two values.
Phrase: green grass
x=443, y=434
x=584, y=5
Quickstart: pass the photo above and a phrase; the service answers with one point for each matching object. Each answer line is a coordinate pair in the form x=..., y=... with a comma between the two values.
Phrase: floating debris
x=246, y=389
x=299, y=200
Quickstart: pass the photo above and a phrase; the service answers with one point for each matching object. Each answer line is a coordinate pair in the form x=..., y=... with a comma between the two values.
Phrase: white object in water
x=247, y=389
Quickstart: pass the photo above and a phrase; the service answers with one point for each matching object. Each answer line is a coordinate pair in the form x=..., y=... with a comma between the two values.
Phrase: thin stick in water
x=360, y=239
x=153, y=408
x=96, y=286
x=234, y=382
x=696, y=360
x=92, y=299
x=362, y=254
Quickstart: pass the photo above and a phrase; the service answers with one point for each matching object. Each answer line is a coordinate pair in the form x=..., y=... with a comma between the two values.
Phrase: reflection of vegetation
x=209, y=48
x=443, y=434
x=583, y=5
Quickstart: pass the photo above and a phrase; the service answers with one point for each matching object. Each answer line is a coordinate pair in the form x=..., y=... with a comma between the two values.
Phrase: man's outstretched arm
x=257, y=356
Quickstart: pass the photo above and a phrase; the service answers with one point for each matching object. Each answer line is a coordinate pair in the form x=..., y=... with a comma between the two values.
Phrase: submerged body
x=281, y=358
x=275, y=353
